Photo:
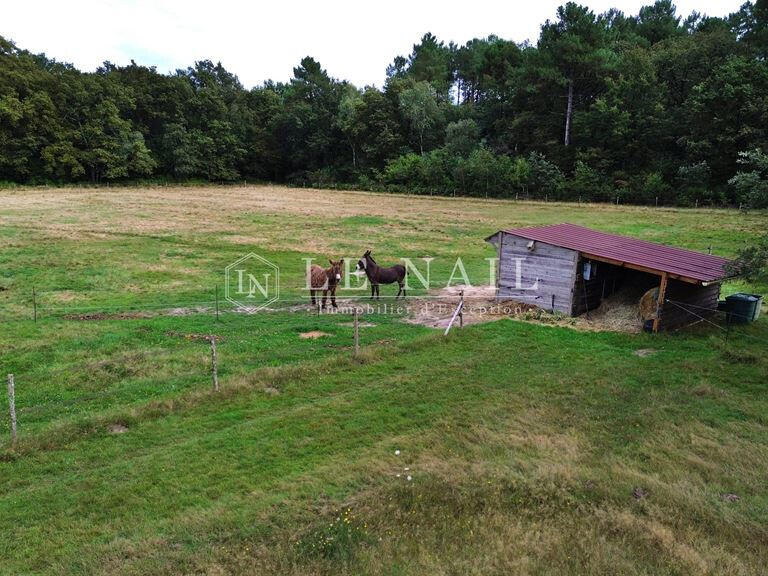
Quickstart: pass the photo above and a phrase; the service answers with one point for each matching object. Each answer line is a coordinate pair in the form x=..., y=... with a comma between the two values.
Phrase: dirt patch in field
x=117, y=429
x=481, y=305
x=108, y=316
x=314, y=335
x=193, y=336
x=643, y=352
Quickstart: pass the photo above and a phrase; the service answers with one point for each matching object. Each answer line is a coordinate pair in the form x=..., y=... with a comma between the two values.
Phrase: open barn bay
x=507, y=447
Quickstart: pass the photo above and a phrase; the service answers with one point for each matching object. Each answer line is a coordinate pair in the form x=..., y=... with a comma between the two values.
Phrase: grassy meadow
x=505, y=448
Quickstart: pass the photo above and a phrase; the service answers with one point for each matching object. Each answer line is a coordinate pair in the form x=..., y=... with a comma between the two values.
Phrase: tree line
x=642, y=108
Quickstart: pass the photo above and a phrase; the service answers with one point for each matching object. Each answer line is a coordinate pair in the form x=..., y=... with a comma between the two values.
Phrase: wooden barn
x=572, y=269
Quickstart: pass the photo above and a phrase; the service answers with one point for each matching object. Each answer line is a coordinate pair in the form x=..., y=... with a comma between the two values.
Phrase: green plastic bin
x=743, y=308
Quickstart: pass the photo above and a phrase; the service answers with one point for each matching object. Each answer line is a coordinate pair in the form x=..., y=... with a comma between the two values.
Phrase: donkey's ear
x=331, y=261
x=341, y=261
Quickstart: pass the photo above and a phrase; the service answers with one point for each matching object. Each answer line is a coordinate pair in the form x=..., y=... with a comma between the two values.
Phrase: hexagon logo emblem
x=251, y=282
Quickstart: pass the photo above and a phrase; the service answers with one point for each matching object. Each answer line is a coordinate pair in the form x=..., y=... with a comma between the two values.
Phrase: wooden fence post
x=357, y=333
x=12, y=407
x=214, y=364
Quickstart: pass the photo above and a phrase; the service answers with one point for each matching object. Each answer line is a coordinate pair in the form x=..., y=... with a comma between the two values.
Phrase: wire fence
x=721, y=320
x=727, y=316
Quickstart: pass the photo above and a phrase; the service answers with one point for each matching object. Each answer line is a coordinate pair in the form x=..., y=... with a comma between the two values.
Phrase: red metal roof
x=658, y=257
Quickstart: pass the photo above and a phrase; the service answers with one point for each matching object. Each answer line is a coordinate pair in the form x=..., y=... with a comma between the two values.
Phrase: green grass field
x=531, y=449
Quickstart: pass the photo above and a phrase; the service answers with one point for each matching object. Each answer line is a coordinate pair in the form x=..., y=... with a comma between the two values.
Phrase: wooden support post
x=357, y=333
x=214, y=364
x=660, y=302
x=12, y=407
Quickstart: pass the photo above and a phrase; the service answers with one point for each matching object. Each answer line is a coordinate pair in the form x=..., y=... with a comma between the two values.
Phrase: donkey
x=325, y=279
x=378, y=275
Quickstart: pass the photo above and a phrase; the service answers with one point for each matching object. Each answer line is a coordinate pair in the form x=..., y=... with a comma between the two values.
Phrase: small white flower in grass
x=398, y=475
x=406, y=469
x=409, y=478
x=397, y=452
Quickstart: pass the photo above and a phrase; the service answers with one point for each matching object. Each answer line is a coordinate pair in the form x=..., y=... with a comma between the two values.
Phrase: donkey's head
x=362, y=264
x=336, y=271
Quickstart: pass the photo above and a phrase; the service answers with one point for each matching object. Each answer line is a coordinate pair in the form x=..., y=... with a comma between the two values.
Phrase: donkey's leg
x=399, y=290
x=333, y=297
x=312, y=295
x=325, y=296
x=373, y=290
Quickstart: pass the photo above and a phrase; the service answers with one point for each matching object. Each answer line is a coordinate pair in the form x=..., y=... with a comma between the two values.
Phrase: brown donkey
x=378, y=275
x=325, y=279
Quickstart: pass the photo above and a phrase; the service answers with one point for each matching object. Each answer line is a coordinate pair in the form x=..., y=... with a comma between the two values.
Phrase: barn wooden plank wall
x=552, y=266
x=704, y=298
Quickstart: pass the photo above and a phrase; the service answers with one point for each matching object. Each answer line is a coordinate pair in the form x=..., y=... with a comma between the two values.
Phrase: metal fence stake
x=357, y=333
x=12, y=407
x=214, y=364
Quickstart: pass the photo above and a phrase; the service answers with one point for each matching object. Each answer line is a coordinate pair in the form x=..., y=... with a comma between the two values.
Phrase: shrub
x=752, y=262
x=752, y=187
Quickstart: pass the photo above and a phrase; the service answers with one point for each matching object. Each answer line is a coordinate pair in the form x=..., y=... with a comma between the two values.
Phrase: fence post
x=12, y=407
x=457, y=313
x=217, y=302
x=357, y=333
x=214, y=364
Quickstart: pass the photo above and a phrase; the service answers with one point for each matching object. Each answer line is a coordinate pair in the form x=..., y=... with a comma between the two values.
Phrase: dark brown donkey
x=378, y=275
x=325, y=279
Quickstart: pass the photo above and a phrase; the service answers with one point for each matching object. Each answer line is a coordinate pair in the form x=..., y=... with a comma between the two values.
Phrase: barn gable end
x=551, y=268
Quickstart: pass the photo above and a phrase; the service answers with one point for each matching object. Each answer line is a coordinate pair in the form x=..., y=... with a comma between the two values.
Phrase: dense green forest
x=653, y=107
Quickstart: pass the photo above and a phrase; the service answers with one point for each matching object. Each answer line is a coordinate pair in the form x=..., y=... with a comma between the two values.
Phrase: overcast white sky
x=353, y=40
